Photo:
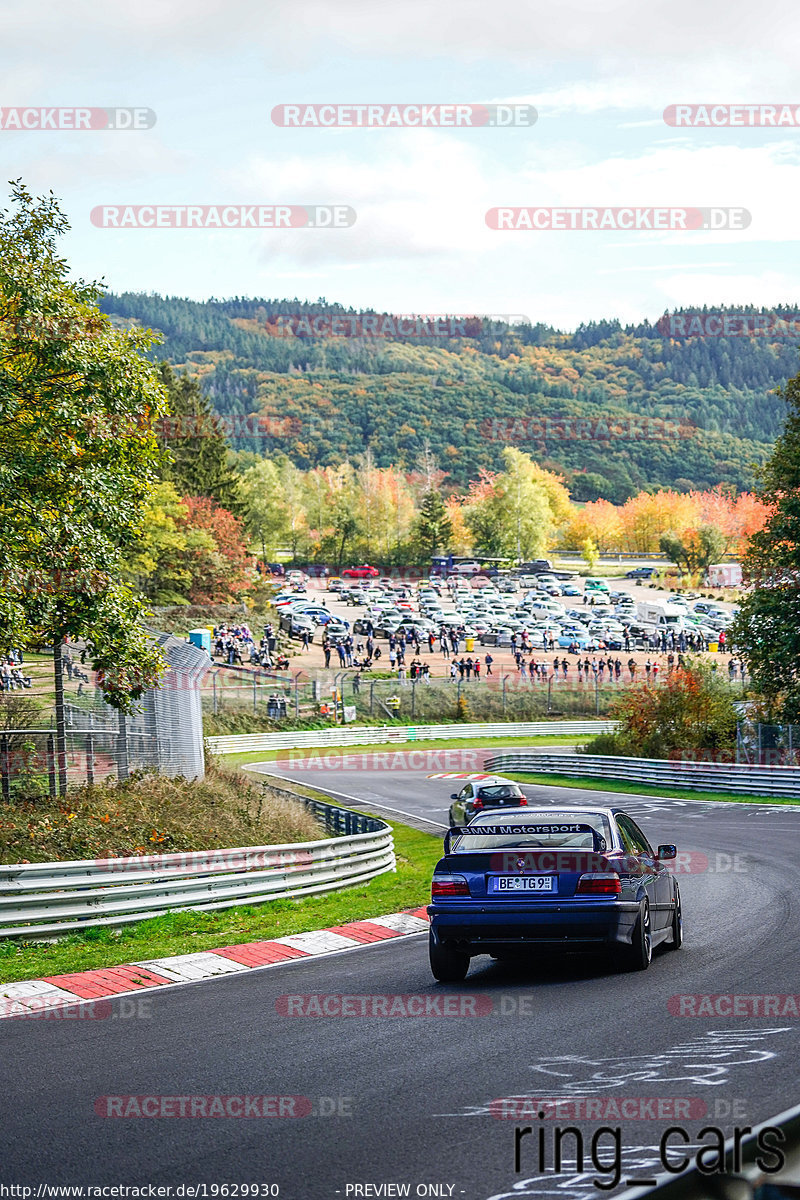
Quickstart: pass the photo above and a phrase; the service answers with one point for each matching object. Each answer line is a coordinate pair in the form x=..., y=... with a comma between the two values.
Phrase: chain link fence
x=164, y=734
x=769, y=745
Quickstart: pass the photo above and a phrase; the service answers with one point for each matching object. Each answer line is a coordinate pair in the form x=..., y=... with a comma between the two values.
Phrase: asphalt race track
x=410, y=1094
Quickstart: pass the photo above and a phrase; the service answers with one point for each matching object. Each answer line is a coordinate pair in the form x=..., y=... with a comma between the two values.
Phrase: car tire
x=447, y=965
x=639, y=955
x=676, y=926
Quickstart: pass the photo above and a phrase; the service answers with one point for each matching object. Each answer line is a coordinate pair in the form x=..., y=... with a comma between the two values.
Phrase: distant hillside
x=615, y=409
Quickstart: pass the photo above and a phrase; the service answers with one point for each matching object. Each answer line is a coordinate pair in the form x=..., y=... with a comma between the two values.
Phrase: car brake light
x=599, y=884
x=478, y=804
x=522, y=801
x=449, y=885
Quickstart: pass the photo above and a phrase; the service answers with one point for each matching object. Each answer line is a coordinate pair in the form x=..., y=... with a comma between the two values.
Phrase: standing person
x=305, y=639
x=431, y=641
x=648, y=666
x=632, y=668
x=326, y=650
x=522, y=668
x=488, y=660
x=580, y=670
x=656, y=669
x=564, y=667
x=453, y=671
x=477, y=667
x=444, y=647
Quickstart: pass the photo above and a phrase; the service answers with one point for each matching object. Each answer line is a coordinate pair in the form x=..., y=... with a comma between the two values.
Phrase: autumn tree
x=767, y=630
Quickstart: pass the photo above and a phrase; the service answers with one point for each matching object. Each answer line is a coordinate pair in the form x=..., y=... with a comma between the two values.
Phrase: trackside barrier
x=50, y=899
x=749, y=1167
x=707, y=777
x=372, y=735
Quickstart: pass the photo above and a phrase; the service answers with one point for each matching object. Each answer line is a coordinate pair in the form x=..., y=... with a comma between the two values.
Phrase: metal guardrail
x=50, y=899
x=371, y=735
x=741, y=778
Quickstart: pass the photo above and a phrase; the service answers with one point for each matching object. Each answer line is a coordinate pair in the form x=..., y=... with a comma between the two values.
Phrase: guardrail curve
x=742, y=778
x=369, y=735
x=50, y=899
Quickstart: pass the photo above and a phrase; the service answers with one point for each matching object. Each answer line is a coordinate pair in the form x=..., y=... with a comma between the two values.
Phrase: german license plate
x=522, y=883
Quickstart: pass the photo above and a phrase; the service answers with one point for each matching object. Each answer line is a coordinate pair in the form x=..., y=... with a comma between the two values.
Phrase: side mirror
x=665, y=853
x=454, y=795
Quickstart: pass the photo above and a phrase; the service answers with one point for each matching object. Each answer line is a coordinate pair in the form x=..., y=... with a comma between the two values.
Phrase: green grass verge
x=251, y=756
x=638, y=789
x=188, y=932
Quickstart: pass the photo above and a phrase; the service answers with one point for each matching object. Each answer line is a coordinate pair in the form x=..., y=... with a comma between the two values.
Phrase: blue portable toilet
x=202, y=639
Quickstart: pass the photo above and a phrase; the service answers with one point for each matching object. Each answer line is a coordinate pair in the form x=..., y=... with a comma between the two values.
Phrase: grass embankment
x=640, y=789
x=189, y=932
x=152, y=814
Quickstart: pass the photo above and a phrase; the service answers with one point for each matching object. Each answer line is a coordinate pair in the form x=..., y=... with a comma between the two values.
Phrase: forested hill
x=615, y=409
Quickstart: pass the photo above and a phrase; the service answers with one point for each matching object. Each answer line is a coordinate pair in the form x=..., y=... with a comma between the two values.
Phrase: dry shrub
x=152, y=814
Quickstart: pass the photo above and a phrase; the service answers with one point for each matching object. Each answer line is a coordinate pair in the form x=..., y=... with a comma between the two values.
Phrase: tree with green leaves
x=433, y=527
x=767, y=629
x=696, y=549
x=78, y=399
x=266, y=516
x=196, y=447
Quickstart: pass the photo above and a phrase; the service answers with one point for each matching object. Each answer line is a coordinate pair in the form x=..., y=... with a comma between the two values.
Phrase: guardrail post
x=5, y=769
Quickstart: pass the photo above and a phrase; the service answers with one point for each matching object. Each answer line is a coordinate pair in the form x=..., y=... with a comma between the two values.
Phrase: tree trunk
x=61, y=730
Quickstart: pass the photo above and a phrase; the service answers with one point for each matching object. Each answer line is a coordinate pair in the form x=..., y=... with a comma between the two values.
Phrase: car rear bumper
x=570, y=924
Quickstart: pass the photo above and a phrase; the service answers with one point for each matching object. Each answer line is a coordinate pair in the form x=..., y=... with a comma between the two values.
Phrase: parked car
x=362, y=572
x=641, y=573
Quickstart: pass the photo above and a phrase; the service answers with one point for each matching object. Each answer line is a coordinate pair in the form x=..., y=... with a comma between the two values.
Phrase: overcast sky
x=599, y=72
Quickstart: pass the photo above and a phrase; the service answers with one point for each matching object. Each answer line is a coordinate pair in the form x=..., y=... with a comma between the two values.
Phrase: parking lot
x=540, y=617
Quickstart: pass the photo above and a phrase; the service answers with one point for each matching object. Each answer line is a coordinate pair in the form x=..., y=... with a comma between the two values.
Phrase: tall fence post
x=549, y=693
x=504, y=694
x=61, y=733
x=51, y=766
x=5, y=769
x=596, y=697
x=122, y=749
x=297, y=696
x=255, y=694
x=372, y=697
x=90, y=759
x=413, y=698
x=214, y=686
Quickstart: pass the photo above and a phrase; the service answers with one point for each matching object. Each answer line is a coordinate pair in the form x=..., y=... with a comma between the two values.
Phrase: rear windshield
x=576, y=831
x=500, y=791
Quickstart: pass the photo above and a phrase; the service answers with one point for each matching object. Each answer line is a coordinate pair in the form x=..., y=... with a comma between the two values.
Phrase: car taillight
x=478, y=804
x=449, y=885
x=522, y=801
x=599, y=884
